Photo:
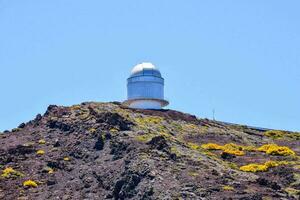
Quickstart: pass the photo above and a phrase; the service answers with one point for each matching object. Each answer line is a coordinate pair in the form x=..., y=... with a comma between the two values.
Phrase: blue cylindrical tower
x=145, y=88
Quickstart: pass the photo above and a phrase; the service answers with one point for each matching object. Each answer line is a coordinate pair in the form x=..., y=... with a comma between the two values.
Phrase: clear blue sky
x=241, y=58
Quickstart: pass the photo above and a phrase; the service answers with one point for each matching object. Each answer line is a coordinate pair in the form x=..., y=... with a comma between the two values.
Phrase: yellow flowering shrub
x=274, y=149
x=238, y=150
x=266, y=147
x=230, y=148
x=29, y=183
x=272, y=164
x=254, y=168
x=10, y=172
x=212, y=146
x=277, y=134
x=233, y=146
x=40, y=152
x=226, y=187
x=282, y=151
x=239, y=147
x=262, y=167
x=233, y=149
x=7, y=171
x=234, y=152
x=274, y=133
x=249, y=148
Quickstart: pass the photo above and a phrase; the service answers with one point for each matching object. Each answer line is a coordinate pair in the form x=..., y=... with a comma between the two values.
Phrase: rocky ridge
x=107, y=151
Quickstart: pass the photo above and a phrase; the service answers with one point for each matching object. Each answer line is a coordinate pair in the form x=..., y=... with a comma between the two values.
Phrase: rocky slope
x=106, y=151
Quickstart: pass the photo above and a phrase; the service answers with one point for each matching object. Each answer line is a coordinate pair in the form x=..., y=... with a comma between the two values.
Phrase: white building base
x=145, y=104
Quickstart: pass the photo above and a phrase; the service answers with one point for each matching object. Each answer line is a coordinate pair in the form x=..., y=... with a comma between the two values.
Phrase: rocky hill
x=106, y=151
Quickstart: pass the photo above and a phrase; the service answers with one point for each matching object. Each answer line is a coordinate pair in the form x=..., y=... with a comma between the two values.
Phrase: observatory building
x=145, y=88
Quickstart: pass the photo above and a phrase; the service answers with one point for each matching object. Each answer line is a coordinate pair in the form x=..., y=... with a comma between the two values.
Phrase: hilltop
x=107, y=151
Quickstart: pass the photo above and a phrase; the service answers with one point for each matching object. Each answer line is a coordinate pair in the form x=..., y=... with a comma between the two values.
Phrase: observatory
x=145, y=88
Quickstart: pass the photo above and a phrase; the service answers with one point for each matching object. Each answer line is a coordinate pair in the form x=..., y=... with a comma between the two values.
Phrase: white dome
x=143, y=66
